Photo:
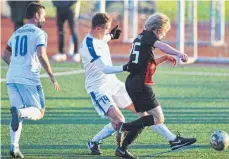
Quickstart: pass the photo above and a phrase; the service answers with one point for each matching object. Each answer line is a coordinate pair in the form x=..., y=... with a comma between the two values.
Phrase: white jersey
x=91, y=49
x=25, y=67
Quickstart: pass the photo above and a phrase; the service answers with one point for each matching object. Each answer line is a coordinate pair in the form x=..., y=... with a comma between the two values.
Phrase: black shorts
x=142, y=95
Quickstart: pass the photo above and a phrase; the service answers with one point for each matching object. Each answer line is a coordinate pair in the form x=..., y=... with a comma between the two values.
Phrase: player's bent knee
x=159, y=120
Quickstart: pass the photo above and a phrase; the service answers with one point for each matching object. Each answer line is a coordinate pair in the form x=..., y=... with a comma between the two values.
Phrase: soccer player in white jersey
x=25, y=51
x=107, y=93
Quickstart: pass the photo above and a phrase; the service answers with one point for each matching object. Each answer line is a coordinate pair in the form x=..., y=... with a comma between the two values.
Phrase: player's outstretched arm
x=109, y=69
x=43, y=58
x=170, y=50
x=7, y=54
x=164, y=58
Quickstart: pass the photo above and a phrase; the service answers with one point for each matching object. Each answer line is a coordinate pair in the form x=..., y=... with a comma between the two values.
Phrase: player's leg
x=71, y=21
x=16, y=122
x=94, y=143
x=122, y=151
x=76, y=11
x=105, y=106
x=159, y=127
x=33, y=98
x=143, y=100
x=123, y=101
x=61, y=17
x=26, y=95
x=14, y=138
x=152, y=106
x=175, y=141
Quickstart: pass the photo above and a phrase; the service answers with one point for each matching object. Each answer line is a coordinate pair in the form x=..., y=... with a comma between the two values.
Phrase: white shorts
x=104, y=99
x=21, y=95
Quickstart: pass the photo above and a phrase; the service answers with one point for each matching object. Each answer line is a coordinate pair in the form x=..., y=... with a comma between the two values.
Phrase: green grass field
x=195, y=100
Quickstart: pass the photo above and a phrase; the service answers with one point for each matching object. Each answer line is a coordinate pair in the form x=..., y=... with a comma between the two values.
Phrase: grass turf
x=194, y=105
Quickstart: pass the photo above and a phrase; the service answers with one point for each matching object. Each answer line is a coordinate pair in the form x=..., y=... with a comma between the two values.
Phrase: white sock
x=107, y=131
x=164, y=131
x=15, y=136
x=32, y=113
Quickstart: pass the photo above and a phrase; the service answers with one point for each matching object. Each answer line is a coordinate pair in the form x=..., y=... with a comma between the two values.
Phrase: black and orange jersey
x=142, y=61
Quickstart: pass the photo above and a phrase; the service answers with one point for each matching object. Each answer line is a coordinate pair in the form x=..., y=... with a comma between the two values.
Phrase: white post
x=125, y=21
x=213, y=21
x=135, y=19
x=222, y=21
x=102, y=6
x=195, y=32
x=180, y=27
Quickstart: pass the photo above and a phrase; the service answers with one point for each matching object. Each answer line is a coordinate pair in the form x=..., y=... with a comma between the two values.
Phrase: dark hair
x=100, y=19
x=33, y=8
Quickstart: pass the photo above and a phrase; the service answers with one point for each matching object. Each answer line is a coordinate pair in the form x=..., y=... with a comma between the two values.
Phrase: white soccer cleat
x=59, y=57
x=76, y=57
x=15, y=152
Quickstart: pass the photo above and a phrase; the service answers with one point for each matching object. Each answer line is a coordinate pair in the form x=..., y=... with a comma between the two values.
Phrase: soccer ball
x=219, y=140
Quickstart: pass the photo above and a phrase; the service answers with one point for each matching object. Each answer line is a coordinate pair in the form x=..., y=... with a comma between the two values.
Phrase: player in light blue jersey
x=25, y=52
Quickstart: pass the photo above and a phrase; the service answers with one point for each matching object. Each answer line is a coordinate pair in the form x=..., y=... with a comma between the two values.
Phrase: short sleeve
x=42, y=39
x=149, y=38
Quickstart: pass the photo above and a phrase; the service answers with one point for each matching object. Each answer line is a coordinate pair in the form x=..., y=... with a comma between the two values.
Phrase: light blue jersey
x=25, y=67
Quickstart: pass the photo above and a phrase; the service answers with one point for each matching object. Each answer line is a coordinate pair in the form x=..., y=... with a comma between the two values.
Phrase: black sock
x=130, y=137
x=140, y=123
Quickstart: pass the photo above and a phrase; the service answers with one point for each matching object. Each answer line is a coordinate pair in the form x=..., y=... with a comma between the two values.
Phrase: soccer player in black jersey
x=142, y=65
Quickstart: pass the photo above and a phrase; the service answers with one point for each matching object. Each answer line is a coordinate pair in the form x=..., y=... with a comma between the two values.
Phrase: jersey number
x=21, y=43
x=135, y=52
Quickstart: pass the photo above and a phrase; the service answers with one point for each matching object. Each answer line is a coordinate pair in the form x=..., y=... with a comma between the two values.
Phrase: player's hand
x=56, y=86
x=184, y=57
x=115, y=33
x=172, y=60
x=126, y=67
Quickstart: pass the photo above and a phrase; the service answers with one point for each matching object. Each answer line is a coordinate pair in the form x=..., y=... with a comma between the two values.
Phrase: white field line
x=56, y=74
x=217, y=74
x=53, y=68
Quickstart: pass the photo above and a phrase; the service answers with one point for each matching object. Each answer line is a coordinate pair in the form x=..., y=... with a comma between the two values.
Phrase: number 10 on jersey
x=21, y=45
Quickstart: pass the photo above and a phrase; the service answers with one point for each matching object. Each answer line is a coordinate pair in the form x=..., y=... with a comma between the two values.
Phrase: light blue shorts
x=21, y=95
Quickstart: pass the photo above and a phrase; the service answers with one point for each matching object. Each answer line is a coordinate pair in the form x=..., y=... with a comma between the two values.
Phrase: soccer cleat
x=180, y=142
x=120, y=134
x=124, y=154
x=94, y=147
x=59, y=57
x=15, y=152
x=15, y=119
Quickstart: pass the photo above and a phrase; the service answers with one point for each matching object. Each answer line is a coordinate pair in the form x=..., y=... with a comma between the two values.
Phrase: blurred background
x=199, y=28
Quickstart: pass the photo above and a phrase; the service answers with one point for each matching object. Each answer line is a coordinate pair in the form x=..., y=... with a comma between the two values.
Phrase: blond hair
x=157, y=21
